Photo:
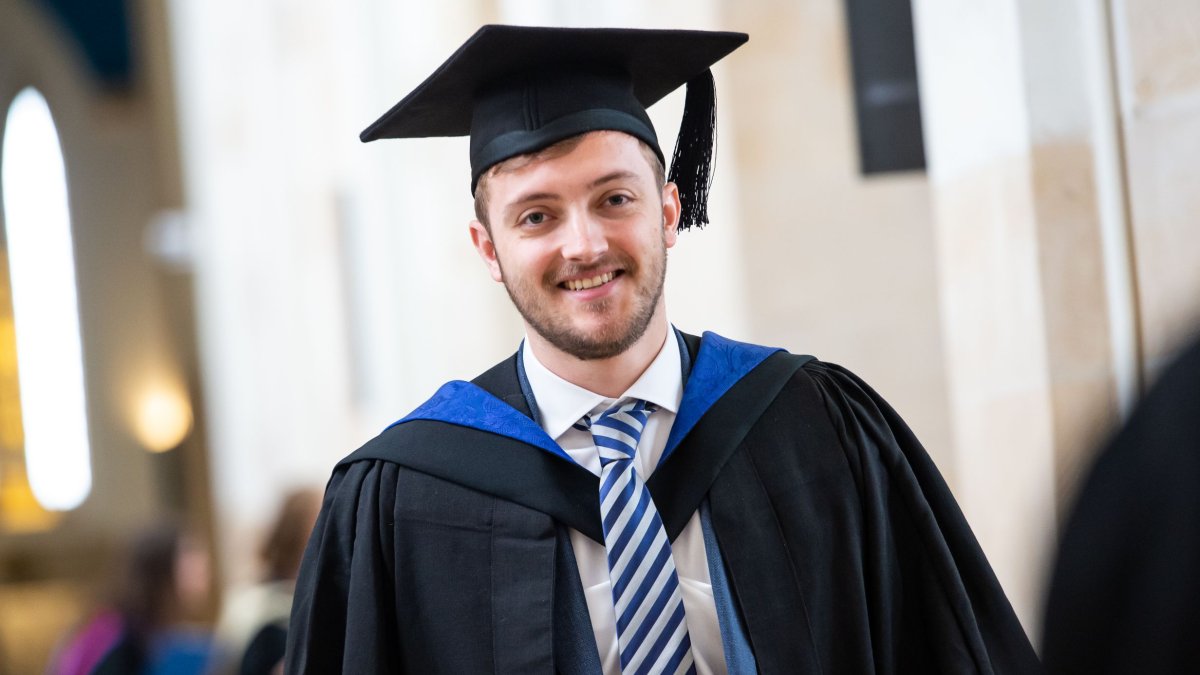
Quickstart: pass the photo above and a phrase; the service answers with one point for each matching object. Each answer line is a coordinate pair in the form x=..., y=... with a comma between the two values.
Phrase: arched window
x=45, y=311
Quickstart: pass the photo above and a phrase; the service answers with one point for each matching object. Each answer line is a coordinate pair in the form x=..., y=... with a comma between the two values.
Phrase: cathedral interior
x=211, y=291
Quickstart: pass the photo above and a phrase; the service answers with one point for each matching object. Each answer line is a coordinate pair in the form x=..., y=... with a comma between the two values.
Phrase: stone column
x=1024, y=161
x=1157, y=48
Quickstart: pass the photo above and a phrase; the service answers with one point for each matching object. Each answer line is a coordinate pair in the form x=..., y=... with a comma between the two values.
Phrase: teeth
x=583, y=284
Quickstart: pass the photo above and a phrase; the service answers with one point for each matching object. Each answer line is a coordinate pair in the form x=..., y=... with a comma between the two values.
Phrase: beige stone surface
x=990, y=280
x=1163, y=152
x=1161, y=45
x=1083, y=421
x=1031, y=191
x=837, y=265
x=1079, y=348
x=999, y=378
x=1004, y=470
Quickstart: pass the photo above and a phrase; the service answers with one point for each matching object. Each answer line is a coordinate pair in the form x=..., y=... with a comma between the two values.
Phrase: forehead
x=573, y=163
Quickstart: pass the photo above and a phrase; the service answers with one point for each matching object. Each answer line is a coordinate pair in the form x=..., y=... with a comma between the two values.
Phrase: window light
x=41, y=260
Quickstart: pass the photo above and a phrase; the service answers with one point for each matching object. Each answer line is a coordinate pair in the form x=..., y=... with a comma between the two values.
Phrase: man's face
x=580, y=240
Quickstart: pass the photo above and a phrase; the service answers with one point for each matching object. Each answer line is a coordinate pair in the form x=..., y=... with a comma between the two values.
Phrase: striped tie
x=651, y=631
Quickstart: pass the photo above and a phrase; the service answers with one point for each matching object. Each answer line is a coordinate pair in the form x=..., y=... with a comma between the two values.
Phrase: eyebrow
x=550, y=196
x=532, y=197
x=614, y=176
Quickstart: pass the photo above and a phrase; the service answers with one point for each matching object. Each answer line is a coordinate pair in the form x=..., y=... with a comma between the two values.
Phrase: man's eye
x=535, y=218
x=618, y=200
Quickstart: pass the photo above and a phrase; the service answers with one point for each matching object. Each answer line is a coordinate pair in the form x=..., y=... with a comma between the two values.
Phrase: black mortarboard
x=518, y=89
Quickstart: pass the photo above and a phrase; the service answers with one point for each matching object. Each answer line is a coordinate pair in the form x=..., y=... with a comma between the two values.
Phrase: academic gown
x=442, y=544
x=1124, y=596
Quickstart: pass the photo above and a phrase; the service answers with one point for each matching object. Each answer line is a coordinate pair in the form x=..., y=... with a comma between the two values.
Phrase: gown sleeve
x=343, y=616
x=934, y=604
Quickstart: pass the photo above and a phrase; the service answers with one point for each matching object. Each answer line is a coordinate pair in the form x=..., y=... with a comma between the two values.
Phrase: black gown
x=439, y=547
x=1125, y=592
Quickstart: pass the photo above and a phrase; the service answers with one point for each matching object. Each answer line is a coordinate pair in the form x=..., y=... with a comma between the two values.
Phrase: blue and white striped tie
x=651, y=631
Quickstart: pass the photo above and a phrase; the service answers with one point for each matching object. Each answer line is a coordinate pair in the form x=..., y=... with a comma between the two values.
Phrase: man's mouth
x=590, y=282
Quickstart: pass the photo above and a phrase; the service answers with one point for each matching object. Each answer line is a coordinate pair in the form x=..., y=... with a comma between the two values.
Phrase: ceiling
x=100, y=31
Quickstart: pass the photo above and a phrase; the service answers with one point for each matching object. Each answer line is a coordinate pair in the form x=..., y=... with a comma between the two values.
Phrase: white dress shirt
x=560, y=405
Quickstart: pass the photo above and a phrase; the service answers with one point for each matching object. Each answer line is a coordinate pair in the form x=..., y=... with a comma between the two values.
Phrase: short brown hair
x=557, y=150
x=284, y=545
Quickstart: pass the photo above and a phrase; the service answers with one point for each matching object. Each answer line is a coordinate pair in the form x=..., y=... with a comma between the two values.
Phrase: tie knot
x=616, y=431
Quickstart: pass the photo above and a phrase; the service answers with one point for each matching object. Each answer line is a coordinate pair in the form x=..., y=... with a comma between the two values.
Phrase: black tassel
x=691, y=165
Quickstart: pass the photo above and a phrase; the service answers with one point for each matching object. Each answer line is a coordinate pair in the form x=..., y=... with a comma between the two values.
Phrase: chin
x=599, y=341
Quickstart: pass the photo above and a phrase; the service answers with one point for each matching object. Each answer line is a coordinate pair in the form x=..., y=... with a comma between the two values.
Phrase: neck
x=609, y=377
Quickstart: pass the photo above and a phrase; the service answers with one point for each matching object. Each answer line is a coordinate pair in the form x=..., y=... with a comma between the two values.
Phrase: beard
x=619, y=332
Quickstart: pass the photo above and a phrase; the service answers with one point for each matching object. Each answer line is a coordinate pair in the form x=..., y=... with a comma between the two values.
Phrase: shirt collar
x=561, y=403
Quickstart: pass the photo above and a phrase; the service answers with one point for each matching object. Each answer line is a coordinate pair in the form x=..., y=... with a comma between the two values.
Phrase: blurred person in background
x=252, y=630
x=619, y=496
x=165, y=578
x=1124, y=596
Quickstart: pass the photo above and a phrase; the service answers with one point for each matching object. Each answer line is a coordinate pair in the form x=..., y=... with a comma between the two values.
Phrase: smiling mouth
x=591, y=282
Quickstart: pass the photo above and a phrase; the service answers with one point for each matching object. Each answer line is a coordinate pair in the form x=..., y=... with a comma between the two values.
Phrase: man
x=621, y=497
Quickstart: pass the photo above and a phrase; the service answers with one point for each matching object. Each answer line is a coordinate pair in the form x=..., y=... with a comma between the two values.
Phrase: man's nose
x=585, y=238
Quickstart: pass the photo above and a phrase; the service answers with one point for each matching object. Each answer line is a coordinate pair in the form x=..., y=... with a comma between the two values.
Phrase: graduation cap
x=519, y=89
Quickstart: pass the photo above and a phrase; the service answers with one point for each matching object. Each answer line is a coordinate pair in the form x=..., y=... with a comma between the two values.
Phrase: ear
x=671, y=212
x=486, y=249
